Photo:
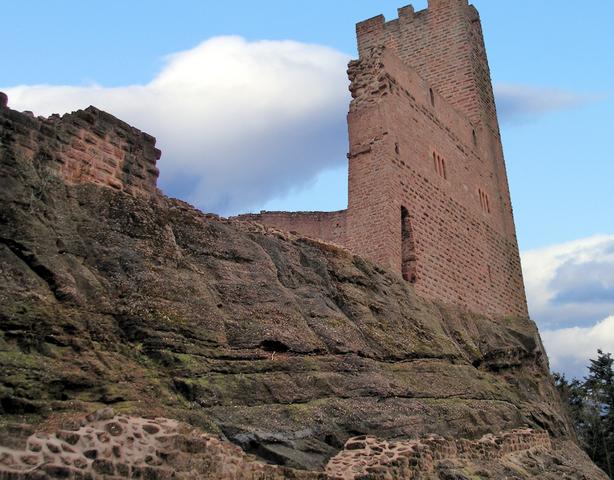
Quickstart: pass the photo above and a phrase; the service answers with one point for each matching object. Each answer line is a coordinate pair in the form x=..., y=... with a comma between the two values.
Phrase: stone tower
x=428, y=191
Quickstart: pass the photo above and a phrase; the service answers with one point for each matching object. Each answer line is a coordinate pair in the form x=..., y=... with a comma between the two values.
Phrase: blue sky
x=275, y=138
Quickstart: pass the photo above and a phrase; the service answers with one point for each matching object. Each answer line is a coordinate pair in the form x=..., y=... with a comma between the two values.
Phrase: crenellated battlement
x=435, y=43
x=408, y=13
x=447, y=4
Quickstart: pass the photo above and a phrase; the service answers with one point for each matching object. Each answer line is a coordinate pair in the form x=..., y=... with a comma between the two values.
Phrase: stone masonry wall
x=444, y=45
x=328, y=226
x=84, y=146
x=398, y=144
x=428, y=194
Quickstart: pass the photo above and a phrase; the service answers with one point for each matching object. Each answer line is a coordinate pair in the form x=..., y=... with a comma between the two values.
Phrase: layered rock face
x=283, y=345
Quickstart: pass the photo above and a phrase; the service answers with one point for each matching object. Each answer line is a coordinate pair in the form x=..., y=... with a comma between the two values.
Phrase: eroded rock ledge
x=367, y=455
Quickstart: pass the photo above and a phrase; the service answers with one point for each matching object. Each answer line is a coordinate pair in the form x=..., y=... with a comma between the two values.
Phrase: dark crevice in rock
x=33, y=263
x=14, y=405
x=228, y=256
x=274, y=346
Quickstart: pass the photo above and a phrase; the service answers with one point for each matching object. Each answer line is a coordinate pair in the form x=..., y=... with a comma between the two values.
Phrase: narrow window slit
x=484, y=200
x=408, y=248
x=439, y=164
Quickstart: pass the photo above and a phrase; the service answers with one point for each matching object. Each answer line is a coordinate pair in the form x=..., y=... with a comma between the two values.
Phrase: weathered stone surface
x=139, y=452
x=521, y=454
x=283, y=345
x=86, y=146
x=176, y=450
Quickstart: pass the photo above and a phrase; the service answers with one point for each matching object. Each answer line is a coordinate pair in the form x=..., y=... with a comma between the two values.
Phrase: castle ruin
x=428, y=195
x=428, y=191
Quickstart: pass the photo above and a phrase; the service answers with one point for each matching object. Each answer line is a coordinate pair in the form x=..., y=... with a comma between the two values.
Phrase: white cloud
x=521, y=102
x=572, y=283
x=570, y=349
x=570, y=291
x=243, y=123
x=238, y=122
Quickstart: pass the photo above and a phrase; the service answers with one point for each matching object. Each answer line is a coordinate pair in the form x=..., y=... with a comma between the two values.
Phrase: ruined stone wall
x=102, y=445
x=84, y=146
x=407, y=152
x=328, y=226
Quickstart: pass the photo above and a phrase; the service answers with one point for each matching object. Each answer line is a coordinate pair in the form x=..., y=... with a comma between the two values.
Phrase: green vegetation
x=591, y=406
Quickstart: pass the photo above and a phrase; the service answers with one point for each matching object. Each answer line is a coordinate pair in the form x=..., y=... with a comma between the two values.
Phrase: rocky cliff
x=281, y=345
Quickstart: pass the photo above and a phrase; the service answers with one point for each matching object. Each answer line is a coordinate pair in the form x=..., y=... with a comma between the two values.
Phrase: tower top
x=444, y=44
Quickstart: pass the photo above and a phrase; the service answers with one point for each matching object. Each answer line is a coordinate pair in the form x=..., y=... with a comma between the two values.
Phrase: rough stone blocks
x=86, y=146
